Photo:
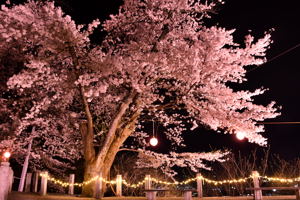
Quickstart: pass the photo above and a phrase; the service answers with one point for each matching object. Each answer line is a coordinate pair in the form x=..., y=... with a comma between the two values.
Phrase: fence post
x=35, y=181
x=147, y=182
x=28, y=182
x=99, y=187
x=199, y=185
x=119, y=185
x=187, y=195
x=148, y=187
x=71, y=182
x=298, y=193
x=44, y=179
x=257, y=193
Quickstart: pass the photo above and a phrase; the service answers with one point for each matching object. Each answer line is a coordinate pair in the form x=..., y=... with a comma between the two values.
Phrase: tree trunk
x=90, y=171
x=103, y=160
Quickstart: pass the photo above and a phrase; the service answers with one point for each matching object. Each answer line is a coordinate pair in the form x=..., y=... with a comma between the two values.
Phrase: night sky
x=280, y=74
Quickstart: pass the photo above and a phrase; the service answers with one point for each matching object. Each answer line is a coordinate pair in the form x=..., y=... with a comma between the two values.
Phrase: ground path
x=31, y=196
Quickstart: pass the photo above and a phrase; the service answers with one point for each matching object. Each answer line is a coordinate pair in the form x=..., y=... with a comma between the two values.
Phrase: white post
x=28, y=182
x=187, y=195
x=148, y=186
x=298, y=193
x=44, y=179
x=119, y=185
x=36, y=181
x=147, y=182
x=199, y=185
x=99, y=187
x=257, y=193
x=25, y=165
x=71, y=182
x=5, y=180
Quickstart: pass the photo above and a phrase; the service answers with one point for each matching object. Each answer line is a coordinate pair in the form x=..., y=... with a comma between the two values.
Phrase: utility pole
x=25, y=165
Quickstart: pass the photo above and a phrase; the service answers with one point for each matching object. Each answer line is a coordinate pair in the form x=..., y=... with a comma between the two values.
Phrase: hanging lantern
x=153, y=141
x=240, y=135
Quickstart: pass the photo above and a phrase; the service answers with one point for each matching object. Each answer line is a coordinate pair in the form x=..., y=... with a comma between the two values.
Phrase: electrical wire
x=277, y=56
x=153, y=131
x=270, y=60
x=278, y=123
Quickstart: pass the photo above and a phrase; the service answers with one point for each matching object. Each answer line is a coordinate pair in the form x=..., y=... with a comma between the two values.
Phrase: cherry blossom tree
x=158, y=61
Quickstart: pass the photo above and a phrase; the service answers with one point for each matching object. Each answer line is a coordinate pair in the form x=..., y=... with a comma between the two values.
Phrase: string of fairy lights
x=154, y=180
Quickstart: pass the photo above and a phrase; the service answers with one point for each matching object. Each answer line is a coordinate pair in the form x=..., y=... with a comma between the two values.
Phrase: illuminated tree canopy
x=157, y=61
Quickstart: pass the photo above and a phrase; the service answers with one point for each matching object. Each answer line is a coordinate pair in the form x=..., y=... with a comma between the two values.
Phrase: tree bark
x=116, y=144
x=92, y=169
x=102, y=162
x=114, y=126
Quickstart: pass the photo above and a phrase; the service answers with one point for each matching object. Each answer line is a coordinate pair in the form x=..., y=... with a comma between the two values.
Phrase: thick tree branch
x=118, y=141
x=165, y=106
x=86, y=129
x=113, y=128
x=87, y=140
x=133, y=150
x=86, y=109
x=88, y=132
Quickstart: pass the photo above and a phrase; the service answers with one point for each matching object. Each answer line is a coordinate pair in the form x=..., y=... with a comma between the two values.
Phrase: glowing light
x=240, y=135
x=220, y=182
x=7, y=155
x=153, y=141
x=282, y=180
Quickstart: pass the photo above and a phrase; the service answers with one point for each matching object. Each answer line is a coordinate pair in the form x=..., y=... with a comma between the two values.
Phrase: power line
x=278, y=122
x=277, y=56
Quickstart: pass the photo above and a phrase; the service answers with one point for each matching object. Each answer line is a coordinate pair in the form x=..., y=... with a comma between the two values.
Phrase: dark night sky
x=280, y=75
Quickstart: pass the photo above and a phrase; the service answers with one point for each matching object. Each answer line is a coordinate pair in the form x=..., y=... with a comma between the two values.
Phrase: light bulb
x=153, y=141
x=7, y=155
x=240, y=135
